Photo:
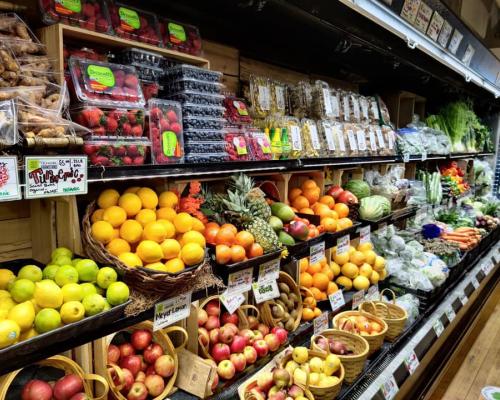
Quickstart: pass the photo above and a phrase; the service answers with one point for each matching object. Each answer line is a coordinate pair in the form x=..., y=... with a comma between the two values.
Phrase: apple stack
x=229, y=348
x=68, y=387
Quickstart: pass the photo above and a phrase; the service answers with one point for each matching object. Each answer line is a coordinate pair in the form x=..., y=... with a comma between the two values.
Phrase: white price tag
x=423, y=17
x=9, y=179
x=373, y=140
x=232, y=301
x=382, y=229
x=463, y=298
x=389, y=388
x=357, y=299
x=438, y=327
x=269, y=271
x=329, y=136
x=475, y=282
x=363, y=103
x=391, y=137
x=317, y=252
x=335, y=105
x=424, y=155
x=345, y=105
x=280, y=97
x=343, y=244
x=328, y=102
x=380, y=137
x=321, y=323
x=364, y=234
x=469, y=53
x=411, y=362
x=450, y=313
x=410, y=10
x=485, y=268
x=355, y=108
x=361, y=140
x=172, y=310
x=373, y=293
x=435, y=26
x=406, y=157
x=455, y=41
x=264, y=291
x=340, y=138
x=240, y=282
x=313, y=131
x=445, y=34
x=296, y=139
x=336, y=300
x=264, y=97
x=352, y=140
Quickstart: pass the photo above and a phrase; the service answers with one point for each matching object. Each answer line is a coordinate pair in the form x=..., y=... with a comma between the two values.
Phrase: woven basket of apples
x=55, y=378
x=142, y=364
x=322, y=374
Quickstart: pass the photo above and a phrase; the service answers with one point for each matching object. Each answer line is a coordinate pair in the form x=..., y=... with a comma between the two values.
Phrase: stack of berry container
x=198, y=90
x=109, y=101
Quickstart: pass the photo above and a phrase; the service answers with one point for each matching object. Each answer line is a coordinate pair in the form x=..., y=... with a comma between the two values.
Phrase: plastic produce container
x=199, y=146
x=105, y=83
x=134, y=24
x=165, y=131
x=192, y=96
x=237, y=111
x=189, y=84
x=113, y=153
x=12, y=26
x=191, y=72
x=8, y=123
x=149, y=89
x=181, y=37
x=312, y=145
x=89, y=14
x=147, y=73
x=203, y=123
x=206, y=157
x=237, y=144
x=260, y=146
x=321, y=100
x=198, y=110
x=203, y=135
x=143, y=57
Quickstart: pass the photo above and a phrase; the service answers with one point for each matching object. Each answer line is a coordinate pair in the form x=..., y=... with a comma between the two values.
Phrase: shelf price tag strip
x=9, y=179
x=438, y=327
x=389, y=388
x=232, y=301
x=364, y=234
x=336, y=300
x=450, y=313
x=240, y=281
x=373, y=293
x=320, y=323
x=357, y=299
x=411, y=362
x=172, y=310
x=317, y=252
x=343, y=244
x=269, y=271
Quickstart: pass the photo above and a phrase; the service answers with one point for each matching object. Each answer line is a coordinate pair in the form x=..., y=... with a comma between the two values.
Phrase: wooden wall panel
x=222, y=58
x=249, y=66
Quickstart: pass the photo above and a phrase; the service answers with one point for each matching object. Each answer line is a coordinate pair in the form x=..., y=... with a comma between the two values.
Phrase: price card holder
x=475, y=282
x=389, y=388
x=438, y=327
x=240, y=281
x=172, y=310
x=411, y=362
x=450, y=313
x=317, y=252
x=336, y=300
x=264, y=291
x=406, y=157
x=232, y=301
x=269, y=271
x=373, y=293
x=320, y=323
x=9, y=179
x=382, y=229
x=463, y=298
x=365, y=234
x=357, y=299
x=343, y=244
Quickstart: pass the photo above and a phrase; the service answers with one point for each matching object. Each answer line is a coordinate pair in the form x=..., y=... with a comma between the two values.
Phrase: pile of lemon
x=358, y=268
x=143, y=229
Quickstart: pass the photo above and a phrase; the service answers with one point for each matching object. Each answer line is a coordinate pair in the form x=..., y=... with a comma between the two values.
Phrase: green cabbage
x=374, y=207
x=358, y=188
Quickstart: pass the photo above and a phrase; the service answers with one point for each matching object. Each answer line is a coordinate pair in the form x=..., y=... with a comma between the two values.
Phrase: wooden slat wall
x=15, y=230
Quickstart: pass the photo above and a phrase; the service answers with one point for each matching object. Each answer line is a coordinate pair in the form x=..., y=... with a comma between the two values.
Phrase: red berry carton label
x=113, y=153
x=181, y=37
x=237, y=143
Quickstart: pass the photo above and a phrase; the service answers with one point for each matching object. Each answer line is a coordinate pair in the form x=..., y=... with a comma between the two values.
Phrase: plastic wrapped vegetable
x=374, y=207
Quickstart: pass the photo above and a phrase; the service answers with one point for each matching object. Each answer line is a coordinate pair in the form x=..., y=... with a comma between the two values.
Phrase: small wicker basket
x=250, y=396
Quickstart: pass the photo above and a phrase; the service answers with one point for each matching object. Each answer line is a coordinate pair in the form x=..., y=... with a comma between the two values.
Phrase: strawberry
x=88, y=10
x=120, y=151
x=119, y=77
x=126, y=129
x=144, y=22
x=111, y=125
x=99, y=131
x=99, y=160
x=176, y=127
x=90, y=24
x=89, y=149
x=171, y=116
x=127, y=160
x=155, y=133
x=132, y=117
x=105, y=150
x=102, y=25
x=138, y=160
x=117, y=93
x=92, y=117
x=131, y=93
x=164, y=125
x=132, y=150
x=131, y=81
x=137, y=130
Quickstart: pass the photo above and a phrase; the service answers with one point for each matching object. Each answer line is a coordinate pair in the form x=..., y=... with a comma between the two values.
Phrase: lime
x=87, y=270
x=31, y=272
x=49, y=272
x=48, y=294
x=46, y=320
x=6, y=276
x=107, y=306
x=22, y=290
x=72, y=311
x=117, y=293
x=106, y=276
x=66, y=274
x=74, y=261
x=94, y=304
x=88, y=288
x=23, y=314
x=61, y=251
x=61, y=260
x=72, y=292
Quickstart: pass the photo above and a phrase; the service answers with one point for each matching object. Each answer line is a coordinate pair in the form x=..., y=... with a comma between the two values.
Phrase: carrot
x=456, y=237
x=466, y=229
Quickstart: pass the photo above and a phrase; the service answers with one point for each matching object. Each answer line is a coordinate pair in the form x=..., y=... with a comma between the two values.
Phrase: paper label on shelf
x=455, y=41
x=450, y=313
x=423, y=17
x=382, y=229
x=172, y=310
x=463, y=298
x=296, y=139
x=365, y=234
x=320, y=323
x=390, y=139
x=469, y=53
x=410, y=10
x=424, y=155
x=232, y=301
x=343, y=244
x=9, y=179
x=374, y=110
x=177, y=33
x=475, y=282
x=340, y=138
x=357, y=299
x=240, y=145
x=445, y=34
x=363, y=104
x=438, y=327
x=240, y=281
x=264, y=291
x=280, y=97
x=411, y=362
x=264, y=97
x=336, y=300
x=345, y=105
x=129, y=19
x=373, y=139
x=435, y=26
x=497, y=80
x=316, y=252
x=406, y=157
x=373, y=293
x=68, y=7
x=389, y=388
x=269, y=271
x=327, y=101
x=352, y=140
x=334, y=100
x=49, y=176
x=313, y=132
x=360, y=134
x=380, y=137
x=329, y=137
x=355, y=108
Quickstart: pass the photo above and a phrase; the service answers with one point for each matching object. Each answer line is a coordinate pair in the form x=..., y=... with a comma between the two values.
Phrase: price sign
x=264, y=291
x=450, y=313
x=343, y=244
x=438, y=327
x=373, y=293
x=317, y=252
x=336, y=300
x=321, y=323
x=382, y=229
x=445, y=33
x=389, y=388
x=364, y=234
x=240, y=282
x=269, y=271
x=475, y=283
x=455, y=41
x=469, y=53
x=411, y=362
x=55, y=176
x=410, y=10
x=424, y=155
x=232, y=301
x=406, y=157
x=9, y=179
x=357, y=299
x=435, y=26
x=463, y=299
x=172, y=310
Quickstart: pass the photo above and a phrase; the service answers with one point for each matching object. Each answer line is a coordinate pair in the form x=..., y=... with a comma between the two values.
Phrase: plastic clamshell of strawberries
x=181, y=37
x=113, y=153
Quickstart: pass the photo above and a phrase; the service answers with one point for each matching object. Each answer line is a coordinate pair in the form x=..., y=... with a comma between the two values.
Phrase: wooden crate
x=297, y=178
x=341, y=176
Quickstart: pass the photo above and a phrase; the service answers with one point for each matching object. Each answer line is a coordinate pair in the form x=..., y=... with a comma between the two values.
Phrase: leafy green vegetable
x=374, y=207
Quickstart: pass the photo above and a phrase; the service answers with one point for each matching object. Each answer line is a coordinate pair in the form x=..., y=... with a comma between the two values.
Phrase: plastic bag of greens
x=410, y=303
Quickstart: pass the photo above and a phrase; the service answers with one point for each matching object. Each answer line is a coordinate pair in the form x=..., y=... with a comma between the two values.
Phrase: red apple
x=202, y=317
x=272, y=341
x=128, y=379
x=220, y=352
x=151, y=370
x=132, y=363
x=226, y=335
x=239, y=361
x=67, y=386
x=250, y=354
x=232, y=326
x=281, y=377
x=212, y=322
x=264, y=329
x=144, y=366
x=126, y=349
x=213, y=308
x=247, y=334
x=265, y=381
x=226, y=369
x=257, y=335
x=155, y=385
x=232, y=318
x=36, y=390
x=141, y=339
x=281, y=333
x=214, y=336
x=138, y=391
x=253, y=322
x=80, y=396
x=165, y=365
x=238, y=344
x=113, y=354
x=153, y=351
x=261, y=347
x=141, y=377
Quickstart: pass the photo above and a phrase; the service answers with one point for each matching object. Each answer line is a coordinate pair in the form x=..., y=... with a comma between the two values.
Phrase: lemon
x=157, y=266
x=351, y=250
x=132, y=189
x=97, y=215
x=183, y=222
x=155, y=231
x=117, y=293
x=31, y=272
x=382, y=274
x=379, y=264
x=93, y=304
x=118, y=246
x=169, y=226
x=145, y=216
x=374, y=277
x=87, y=270
x=361, y=283
x=88, y=288
x=131, y=203
x=344, y=282
x=335, y=268
x=22, y=290
x=106, y=276
x=115, y=216
x=66, y=274
x=9, y=333
x=23, y=314
x=366, y=270
x=72, y=292
x=102, y=231
x=131, y=231
x=148, y=197
x=4, y=294
x=370, y=256
x=47, y=320
x=341, y=259
x=61, y=260
x=194, y=237
x=131, y=260
x=357, y=257
x=149, y=251
x=72, y=311
x=61, y=251
x=6, y=304
x=168, y=199
x=49, y=272
x=167, y=213
x=6, y=276
x=365, y=246
x=28, y=334
x=48, y=294
x=192, y=253
x=108, y=198
x=171, y=248
x=174, y=265
x=349, y=270
x=198, y=225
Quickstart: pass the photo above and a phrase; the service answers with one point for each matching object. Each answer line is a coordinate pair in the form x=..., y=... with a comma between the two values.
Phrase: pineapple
x=244, y=186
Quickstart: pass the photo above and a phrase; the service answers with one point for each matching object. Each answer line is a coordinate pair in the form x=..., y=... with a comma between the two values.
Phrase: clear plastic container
x=145, y=72
x=361, y=139
x=325, y=131
x=351, y=140
x=236, y=111
x=203, y=123
x=372, y=140
x=165, y=131
x=202, y=146
x=374, y=112
x=181, y=37
x=197, y=110
x=206, y=157
x=279, y=97
x=301, y=99
x=292, y=126
x=237, y=144
x=134, y=24
x=195, y=85
x=192, y=96
x=354, y=107
x=311, y=143
x=88, y=14
x=106, y=83
x=9, y=67
x=113, y=153
x=22, y=48
x=48, y=96
x=203, y=135
x=140, y=56
x=260, y=95
x=150, y=89
x=364, y=106
x=321, y=100
x=11, y=25
x=191, y=72
x=8, y=124
x=260, y=146
x=409, y=141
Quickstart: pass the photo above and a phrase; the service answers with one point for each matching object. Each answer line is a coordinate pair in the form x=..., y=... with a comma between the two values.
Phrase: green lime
x=106, y=276
x=49, y=272
x=66, y=274
x=72, y=292
x=88, y=288
x=74, y=261
x=22, y=290
x=31, y=272
x=61, y=251
x=46, y=320
x=87, y=270
x=117, y=293
x=61, y=260
x=107, y=306
x=93, y=304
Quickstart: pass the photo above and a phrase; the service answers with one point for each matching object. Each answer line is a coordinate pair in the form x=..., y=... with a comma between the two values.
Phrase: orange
x=343, y=223
x=306, y=279
x=329, y=224
x=183, y=222
x=116, y=233
x=328, y=200
x=328, y=272
x=108, y=198
x=225, y=236
x=237, y=253
x=335, y=268
x=314, y=268
x=97, y=215
x=341, y=209
x=365, y=246
x=308, y=184
x=304, y=264
x=317, y=312
x=357, y=258
x=167, y=213
x=245, y=239
x=334, y=215
x=212, y=225
x=332, y=288
x=322, y=210
x=320, y=281
x=306, y=210
x=317, y=293
x=307, y=314
x=230, y=226
x=171, y=248
x=300, y=202
x=222, y=254
x=118, y=246
x=210, y=233
x=255, y=250
x=312, y=195
x=294, y=192
x=309, y=302
x=322, y=262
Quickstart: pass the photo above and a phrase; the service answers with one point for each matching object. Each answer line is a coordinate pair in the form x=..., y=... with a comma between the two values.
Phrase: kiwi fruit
x=278, y=301
x=294, y=314
x=293, y=297
x=290, y=304
x=289, y=325
x=284, y=297
x=277, y=312
x=284, y=288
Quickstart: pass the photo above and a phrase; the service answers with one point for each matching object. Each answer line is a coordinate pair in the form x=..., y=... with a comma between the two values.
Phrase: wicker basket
x=320, y=393
x=160, y=337
x=141, y=279
x=394, y=315
x=353, y=363
x=69, y=367
x=266, y=307
x=374, y=341
x=250, y=396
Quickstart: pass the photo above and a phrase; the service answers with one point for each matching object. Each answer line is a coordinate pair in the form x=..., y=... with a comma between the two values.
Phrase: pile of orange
x=308, y=200
x=231, y=246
